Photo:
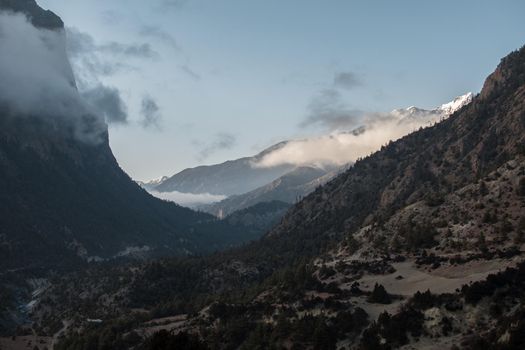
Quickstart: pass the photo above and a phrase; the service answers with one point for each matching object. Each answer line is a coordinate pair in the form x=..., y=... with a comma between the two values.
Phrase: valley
x=400, y=230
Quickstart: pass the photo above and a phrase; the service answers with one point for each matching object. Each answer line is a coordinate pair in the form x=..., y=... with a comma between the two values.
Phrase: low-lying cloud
x=106, y=102
x=190, y=200
x=341, y=147
x=34, y=69
x=37, y=79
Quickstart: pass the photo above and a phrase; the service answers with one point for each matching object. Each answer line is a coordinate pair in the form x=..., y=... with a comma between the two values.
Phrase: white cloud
x=37, y=79
x=188, y=199
x=339, y=148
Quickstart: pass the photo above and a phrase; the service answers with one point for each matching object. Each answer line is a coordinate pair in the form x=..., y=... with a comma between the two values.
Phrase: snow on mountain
x=150, y=185
x=413, y=113
x=343, y=147
x=459, y=102
x=242, y=176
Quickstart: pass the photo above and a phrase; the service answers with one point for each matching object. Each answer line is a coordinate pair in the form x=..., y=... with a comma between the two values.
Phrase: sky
x=192, y=82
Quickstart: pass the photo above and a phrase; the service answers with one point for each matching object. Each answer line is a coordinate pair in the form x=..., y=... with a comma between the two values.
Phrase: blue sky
x=230, y=77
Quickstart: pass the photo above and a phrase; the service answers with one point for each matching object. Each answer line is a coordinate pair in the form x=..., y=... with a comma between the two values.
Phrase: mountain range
x=419, y=245
x=412, y=242
x=289, y=188
x=246, y=183
x=229, y=178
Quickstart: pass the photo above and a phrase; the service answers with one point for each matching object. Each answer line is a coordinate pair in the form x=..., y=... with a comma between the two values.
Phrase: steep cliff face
x=63, y=197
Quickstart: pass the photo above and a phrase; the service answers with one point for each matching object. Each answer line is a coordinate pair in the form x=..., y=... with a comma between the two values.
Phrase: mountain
x=304, y=179
x=475, y=140
x=289, y=188
x=39, y=17
x=260, y=217
x=64, y=199
x=419, y=245
x=456, y=104
x=150, y=185
x=255, y=179
x=228, y=178
x=443, y=111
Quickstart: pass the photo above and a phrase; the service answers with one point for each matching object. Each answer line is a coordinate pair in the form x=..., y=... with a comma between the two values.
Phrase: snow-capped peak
x=148, y=185
x=456, y=104
x=443, y=111
x=157, y=181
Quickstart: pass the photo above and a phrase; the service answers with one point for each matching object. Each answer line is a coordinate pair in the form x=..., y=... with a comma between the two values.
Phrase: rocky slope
x=419, y=245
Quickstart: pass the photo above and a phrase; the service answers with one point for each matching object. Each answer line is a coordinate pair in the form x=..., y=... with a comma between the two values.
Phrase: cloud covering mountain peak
x=37, y=79
x=343, y=147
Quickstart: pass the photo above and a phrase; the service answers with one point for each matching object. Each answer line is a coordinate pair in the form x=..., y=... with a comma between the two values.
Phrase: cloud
x=107, y=102
x=191, y=200
x=80, y=43
x=150, y=113
x=37, y=79
x=328, y=111
x=93, y=61
x=191, y=73
x=86, y=60
x=158, y=33
x=143, y=50
x=347, y=80
x=344, y=147
x=221, y=141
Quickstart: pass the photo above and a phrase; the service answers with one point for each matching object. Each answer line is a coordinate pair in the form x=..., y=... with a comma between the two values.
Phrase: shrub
x=379, y=295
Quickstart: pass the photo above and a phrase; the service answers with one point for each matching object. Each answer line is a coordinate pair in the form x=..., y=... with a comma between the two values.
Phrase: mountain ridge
x=289, y=188
x=213, y=178
x=419, y=243
x=228, y=178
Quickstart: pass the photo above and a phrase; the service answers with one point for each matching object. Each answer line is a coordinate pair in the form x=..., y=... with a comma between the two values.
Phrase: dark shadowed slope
x=289, y=188
x=64, y=197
